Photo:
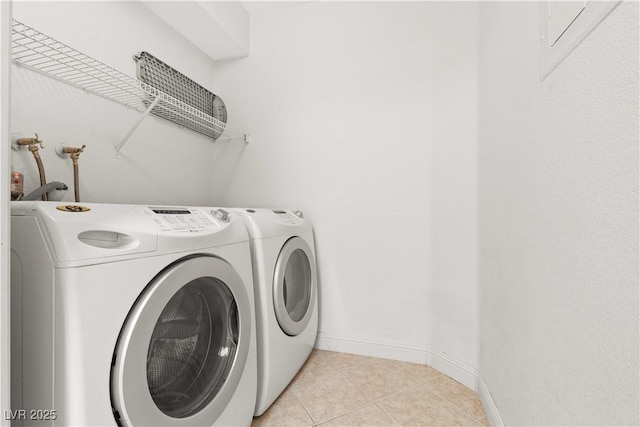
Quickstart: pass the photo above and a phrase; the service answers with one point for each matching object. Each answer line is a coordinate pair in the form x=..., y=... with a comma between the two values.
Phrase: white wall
x=453, y=292
x=160, y=163
x=342, y=99
x=5, y=229
x=558, y=212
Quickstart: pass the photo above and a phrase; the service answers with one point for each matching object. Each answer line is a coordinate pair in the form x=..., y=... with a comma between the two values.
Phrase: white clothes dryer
x=285, y=285
x=131, y=315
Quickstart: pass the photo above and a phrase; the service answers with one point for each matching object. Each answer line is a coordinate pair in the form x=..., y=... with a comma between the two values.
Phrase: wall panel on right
x=558, y=221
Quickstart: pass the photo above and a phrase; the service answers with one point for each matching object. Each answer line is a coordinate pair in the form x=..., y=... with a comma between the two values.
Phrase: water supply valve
x=30, y=143
x=73, y=152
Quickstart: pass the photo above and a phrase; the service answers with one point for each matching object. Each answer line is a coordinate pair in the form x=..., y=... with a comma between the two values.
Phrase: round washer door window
x=294, y=286
x=183, y=348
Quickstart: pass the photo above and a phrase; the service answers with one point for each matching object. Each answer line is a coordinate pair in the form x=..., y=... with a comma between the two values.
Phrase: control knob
x=221, y=215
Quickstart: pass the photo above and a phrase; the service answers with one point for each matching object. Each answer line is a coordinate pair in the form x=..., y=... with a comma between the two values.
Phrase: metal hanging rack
x=38, y=52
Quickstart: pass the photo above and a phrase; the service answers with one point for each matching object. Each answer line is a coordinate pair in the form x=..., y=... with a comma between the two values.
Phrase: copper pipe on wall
x=74, y=153
x=43, y=180
x=76, y=181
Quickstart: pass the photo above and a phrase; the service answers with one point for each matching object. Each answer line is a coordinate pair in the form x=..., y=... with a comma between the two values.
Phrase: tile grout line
x=449, y=405
x=323, y=368
x=390, y=416
x=348, y=381
x=313, y=420
x=345, y=378
x=457, y=407
x=376, y=401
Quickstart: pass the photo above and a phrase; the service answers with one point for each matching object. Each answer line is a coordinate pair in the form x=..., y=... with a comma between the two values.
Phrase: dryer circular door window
x=183, y=348
x=294, y=286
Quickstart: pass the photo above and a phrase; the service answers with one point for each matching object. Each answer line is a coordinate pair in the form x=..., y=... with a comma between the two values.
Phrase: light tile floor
x=339, y=389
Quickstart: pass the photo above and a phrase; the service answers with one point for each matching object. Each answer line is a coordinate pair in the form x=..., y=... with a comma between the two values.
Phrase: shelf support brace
x=135, y=126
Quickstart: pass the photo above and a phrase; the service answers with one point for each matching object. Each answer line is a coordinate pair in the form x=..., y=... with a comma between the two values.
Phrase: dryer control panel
x=265, y=223
x=288, y=217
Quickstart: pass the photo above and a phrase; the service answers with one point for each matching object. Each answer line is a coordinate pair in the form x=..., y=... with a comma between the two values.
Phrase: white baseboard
x=493, y=415
x=425, y=355
x=385, y=350
x=461, y=372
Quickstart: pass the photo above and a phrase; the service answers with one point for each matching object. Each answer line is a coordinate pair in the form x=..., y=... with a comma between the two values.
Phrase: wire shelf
x=38, y=52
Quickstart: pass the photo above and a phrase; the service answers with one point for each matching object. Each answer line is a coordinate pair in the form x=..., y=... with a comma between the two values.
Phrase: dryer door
x=294, y=286
x=183, y=348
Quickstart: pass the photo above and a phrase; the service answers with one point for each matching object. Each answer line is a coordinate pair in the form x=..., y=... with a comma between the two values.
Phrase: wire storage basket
x=38, y=52
x=162, y=76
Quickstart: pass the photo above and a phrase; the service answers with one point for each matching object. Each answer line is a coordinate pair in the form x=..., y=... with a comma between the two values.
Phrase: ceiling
x=220, y=29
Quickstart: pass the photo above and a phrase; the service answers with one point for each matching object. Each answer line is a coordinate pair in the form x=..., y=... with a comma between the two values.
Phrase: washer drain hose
x=39, y=192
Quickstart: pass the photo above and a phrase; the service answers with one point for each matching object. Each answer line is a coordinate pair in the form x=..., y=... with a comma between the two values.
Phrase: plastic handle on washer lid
x=107, y=239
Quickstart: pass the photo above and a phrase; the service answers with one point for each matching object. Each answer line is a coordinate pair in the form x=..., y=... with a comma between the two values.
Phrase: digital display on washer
x=171, y=211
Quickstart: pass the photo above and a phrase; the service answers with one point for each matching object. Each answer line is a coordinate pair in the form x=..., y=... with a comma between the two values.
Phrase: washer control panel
x=182, y=219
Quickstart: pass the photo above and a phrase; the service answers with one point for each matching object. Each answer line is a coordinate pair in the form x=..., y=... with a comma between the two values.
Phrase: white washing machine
x=285, y=285
x=131, y=315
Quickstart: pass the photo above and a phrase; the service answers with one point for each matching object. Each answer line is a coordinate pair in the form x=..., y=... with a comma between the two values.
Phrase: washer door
x=183, y=348
x=294, y=286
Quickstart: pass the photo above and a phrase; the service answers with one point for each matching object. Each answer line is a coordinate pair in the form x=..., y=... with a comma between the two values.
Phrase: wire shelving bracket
x=38, y=52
